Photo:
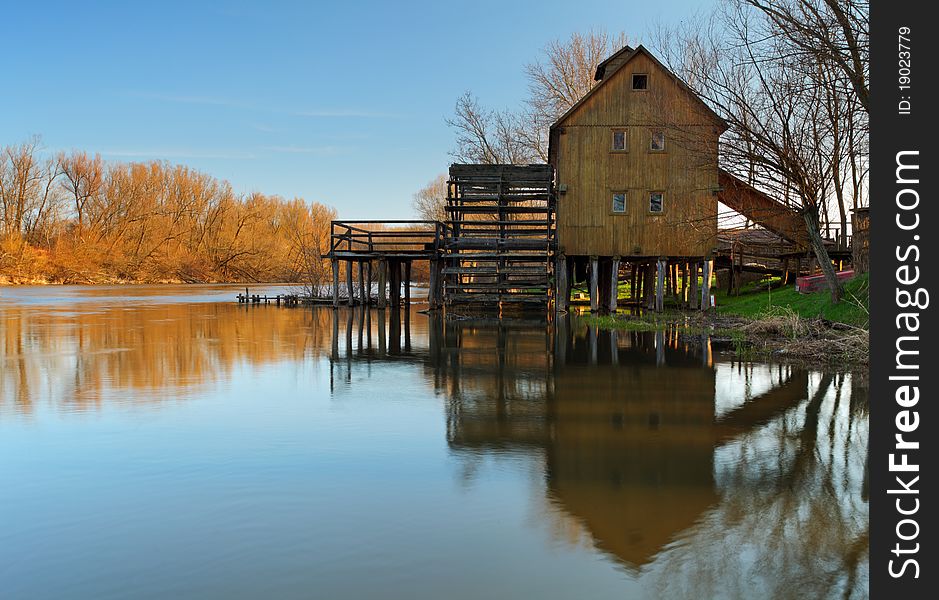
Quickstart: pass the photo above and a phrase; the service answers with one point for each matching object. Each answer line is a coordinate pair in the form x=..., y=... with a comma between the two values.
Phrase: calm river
x=167, y=442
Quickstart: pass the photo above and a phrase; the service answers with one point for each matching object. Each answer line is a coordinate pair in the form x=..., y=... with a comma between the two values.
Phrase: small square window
x=658, y=141
x=619, y=202
x=656, y=202
x=619, y=140
x=640, y=81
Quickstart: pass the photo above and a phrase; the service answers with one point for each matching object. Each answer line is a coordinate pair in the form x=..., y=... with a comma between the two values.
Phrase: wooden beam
x=693, y=289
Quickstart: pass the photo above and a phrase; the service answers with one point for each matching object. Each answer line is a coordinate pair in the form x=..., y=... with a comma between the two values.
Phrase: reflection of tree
x=75, y=358
x=793, y=517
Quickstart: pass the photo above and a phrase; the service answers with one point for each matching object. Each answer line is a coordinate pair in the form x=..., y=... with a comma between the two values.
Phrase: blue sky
x=338, y=102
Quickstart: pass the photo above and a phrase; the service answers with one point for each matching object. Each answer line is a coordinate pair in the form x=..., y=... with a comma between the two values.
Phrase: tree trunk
x=821, y=254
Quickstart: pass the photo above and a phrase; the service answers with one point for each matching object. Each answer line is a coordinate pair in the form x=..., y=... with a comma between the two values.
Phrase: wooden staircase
x=762, y=209
x=501, y=240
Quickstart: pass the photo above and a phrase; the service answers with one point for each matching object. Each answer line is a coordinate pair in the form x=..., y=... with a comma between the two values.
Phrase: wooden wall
x=591, y=172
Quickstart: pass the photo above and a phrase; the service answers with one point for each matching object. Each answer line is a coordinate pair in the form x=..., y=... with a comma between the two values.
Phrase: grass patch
x=760, y=300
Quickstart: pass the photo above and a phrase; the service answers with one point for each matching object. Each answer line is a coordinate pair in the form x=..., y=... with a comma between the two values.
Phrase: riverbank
x=767, y=323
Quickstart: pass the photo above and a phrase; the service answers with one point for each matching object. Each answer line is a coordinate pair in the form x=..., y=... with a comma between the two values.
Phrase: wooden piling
x=632, y=281
x=363, y=299
x=614, y=284
x=394, y=281
x=350, y=289
x=660, y=285
x=594, y=284
x=706, y=267
x=335, y=283
x=563, y=291
x=407, y=284
x=693, y=289
x=382, y=276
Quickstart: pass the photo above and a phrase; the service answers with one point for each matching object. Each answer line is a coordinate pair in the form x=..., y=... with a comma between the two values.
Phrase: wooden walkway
x=383, y=252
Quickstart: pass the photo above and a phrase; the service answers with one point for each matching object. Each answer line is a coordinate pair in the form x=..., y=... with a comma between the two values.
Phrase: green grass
x=756, y=300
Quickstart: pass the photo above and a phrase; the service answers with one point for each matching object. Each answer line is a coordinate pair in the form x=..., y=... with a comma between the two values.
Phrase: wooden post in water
x=382, y=274
x=335, y=283
x=407, y=284
x=432, y=300
x=394, y=281
x=368, y=285
x=350, y=288
x=562, y=284
x=363, y=299
x=614, y=284
x=660, y=285
x=594, y=284
x=693, y=288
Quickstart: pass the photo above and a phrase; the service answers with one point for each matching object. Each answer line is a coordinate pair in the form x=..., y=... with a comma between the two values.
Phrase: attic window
x=619, y=140
x=640, y=81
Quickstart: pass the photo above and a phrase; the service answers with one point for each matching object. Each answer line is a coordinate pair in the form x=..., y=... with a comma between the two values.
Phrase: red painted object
x=816, y=283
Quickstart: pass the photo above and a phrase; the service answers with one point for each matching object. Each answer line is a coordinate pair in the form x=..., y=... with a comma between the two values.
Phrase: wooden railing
x=393, y=237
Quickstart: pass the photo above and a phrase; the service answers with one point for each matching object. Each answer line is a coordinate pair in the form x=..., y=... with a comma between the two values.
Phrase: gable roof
x=631, y=53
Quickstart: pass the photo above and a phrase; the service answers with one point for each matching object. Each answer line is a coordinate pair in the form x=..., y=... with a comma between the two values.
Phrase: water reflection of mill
x=641, y=433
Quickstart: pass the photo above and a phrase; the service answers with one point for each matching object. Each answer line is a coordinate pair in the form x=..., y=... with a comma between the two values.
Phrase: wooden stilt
x=350, y=289
x=382, y=277
x=432, y=291
x=706, y=267
x=614, y=284
x=594, y=284
x=562, y=284
x=363, y=299
x=335, y=283
x=693, y=289
x=660, y=285
x=632, y=282
x=394, y=281
x=683, y=294
x=407, y=284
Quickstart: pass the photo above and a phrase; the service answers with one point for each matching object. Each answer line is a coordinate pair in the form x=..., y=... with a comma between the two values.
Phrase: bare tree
x=487, y=136
x=788, y=116
x=827, y=31
x=563, y=75
x=431, y=200
x=560, y=78
x=84, y=177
